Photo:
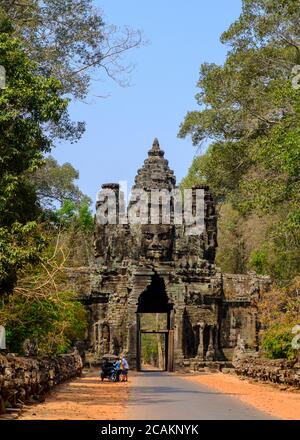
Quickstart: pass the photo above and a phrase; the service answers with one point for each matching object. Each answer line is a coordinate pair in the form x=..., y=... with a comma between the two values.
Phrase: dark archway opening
x=155, y=335
x=154, y=299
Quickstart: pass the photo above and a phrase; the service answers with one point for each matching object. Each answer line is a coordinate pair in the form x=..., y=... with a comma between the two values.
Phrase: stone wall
x=279, y=371
x=25, y=379
x=244, y=287
x=239, y=310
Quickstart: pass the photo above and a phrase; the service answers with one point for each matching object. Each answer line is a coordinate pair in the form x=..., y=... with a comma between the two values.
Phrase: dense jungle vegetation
x=247, y=129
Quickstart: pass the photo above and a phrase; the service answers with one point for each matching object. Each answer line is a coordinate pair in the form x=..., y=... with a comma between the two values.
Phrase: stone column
x=141, y=280
x=218, y=355
x=178, y=342
x=96, y=338
x=210, y=355
x=112, y=340
x=132, y=337
x=200, y=351
x=105, y=338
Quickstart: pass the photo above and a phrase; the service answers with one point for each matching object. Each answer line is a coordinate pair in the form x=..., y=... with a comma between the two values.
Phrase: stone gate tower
x=160, y=268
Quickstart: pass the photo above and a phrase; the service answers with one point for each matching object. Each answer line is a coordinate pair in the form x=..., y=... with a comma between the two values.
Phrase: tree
x=50, y=54
x=54, y=184
x=279, y=311
x=232, y=247
x=242, y=98
x=223, y=166
x=76, y=224
x=28, y=104
x=20, y=245
x=250, y=111
x=43, y=308
x=69, y=40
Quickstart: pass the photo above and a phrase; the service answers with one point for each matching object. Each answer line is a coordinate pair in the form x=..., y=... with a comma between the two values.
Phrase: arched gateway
x=155, y=280
x=155, y=323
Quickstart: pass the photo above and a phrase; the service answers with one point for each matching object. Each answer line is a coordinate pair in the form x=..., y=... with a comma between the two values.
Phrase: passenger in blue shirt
x=118, y=368
x=125, y=368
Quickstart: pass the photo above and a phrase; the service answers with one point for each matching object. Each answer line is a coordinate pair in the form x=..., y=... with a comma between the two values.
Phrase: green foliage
x=55, y=322
x=257, y=261
x=195, y=174
x=28, y=104
x=251, y=112
x=69, y=41
x=153, y=345
x=76, y=225
x=149, y=349
x=67, y=213
x=48, y=49
x=279, y=311
x=85, y=218
x=277, y=343
x=231, y=253
x=19, y=245
x=43, y=307
x=54, y=183
x=75, y=216
x=222, y=167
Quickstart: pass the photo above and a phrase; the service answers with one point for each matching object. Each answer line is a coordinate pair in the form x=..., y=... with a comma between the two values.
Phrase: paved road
x=164, y=396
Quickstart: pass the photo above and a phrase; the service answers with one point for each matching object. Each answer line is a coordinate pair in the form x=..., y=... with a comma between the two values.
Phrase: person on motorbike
x=118, y=368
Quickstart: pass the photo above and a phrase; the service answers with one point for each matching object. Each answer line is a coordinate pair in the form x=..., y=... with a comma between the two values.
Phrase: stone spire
x=155, y=145
x=155, y=173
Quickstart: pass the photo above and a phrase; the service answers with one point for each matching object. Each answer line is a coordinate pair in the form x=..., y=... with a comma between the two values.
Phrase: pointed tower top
x=155, y=173
x=155, y=149
x=155, y=145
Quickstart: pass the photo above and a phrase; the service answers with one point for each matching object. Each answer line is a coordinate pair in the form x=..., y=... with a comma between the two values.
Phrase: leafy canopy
x=69, y=40
x=250, y=113
x=28, y=105
x=54, y=183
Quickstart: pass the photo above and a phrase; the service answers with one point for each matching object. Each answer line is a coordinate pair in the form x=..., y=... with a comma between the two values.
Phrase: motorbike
x=107, y=368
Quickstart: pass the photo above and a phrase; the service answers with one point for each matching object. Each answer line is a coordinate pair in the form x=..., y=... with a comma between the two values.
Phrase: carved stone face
x=157, y=241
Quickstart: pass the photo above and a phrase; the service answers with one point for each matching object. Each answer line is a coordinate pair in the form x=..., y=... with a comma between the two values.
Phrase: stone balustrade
x=279, y=371
x=24, y=379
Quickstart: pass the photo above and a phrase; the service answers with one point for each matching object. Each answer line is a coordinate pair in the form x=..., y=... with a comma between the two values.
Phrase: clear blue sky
x=120, y=128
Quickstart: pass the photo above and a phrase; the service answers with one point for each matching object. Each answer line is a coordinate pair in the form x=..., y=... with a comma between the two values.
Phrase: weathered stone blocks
x=278, y=371
x=23, y=379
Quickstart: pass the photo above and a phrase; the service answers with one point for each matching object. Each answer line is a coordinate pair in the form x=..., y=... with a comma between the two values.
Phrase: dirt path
x=86, y=398
x=265, y=397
